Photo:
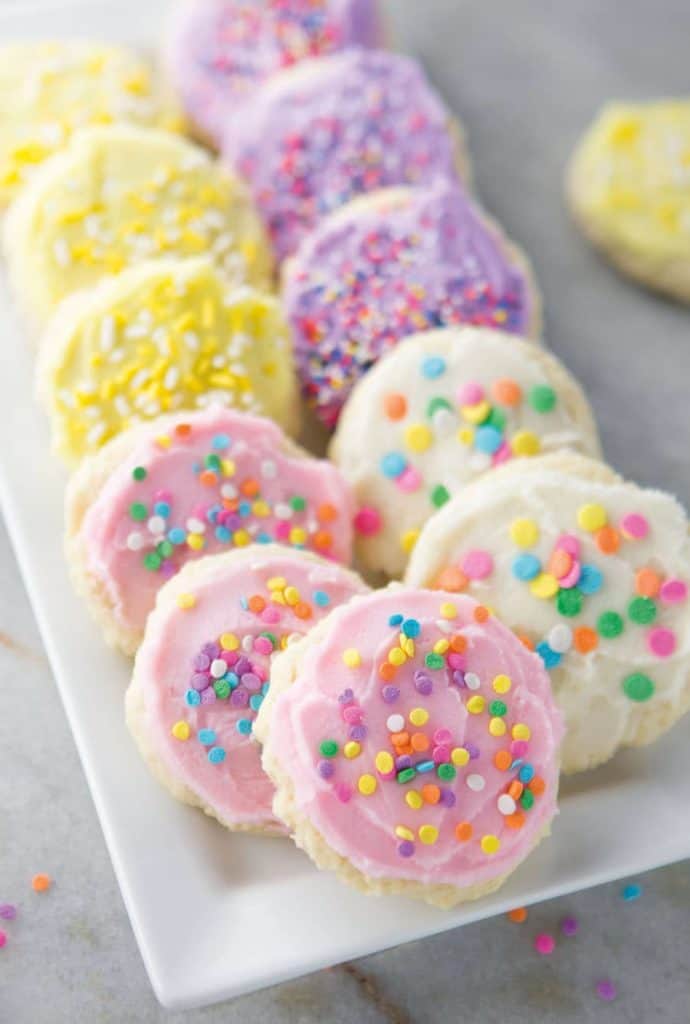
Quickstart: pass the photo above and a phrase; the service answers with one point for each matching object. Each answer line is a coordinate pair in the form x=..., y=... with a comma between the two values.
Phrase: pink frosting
x=456, y=780
x=233, y=607
x=219, y=476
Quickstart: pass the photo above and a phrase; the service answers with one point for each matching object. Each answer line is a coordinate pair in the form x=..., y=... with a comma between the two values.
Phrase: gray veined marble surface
x=525, y=78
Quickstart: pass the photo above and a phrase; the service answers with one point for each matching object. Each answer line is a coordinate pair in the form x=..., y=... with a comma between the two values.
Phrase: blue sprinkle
x=488, y=440
x=161, y=508
x=526, y=567
x=245, y=509
x=207, y=737
x=255, y=701
x=212, y=514
x=192, y=698
x=244, y=603
x=631, y=892
x=591, y=579
x=223, y=534
x=216, y=755
x=425, y=766
x=321, y=598
x=526, y=773
x=263, y=538
x=433, y=367
x=515, y=764
x=197, y=467
x=244, y=726
x=232, y=679
x=265, y=688
x=411, y=628
x=550, y=657
x=177, y=535
x=393, y=465
x=395, y=620
x=220, y=442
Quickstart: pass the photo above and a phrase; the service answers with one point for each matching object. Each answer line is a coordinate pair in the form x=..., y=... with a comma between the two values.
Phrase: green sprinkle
x=569, y=601
x=328, y=748
x=152, y=561
x=642, y=610
x=222, y=689
x=496, y=418
x=439, y=496
x=406, y=775
x=164, y=549
x=272, y=637
x=139, y=473
x=435, y=404
x=434, y=660
x=542, y=398
x=138, y=511
x=610, y=624
x=638, y=687
x=212, y=462
x=527, y=799
x=446, y=772
x=297, y=504
x=497, y=708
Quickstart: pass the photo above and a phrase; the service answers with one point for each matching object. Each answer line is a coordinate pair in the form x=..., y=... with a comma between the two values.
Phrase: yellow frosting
x=632, y=176
x=121, y=195
x=163, y=336
x=50, y=89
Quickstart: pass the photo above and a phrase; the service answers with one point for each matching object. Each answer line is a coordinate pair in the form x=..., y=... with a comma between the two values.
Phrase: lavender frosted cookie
x=390, y=264
x=218, y=51
x=322, y=133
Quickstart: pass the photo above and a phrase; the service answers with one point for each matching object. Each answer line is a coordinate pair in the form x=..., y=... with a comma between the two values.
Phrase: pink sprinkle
x=570, y=544
x=165, y=496
x=352, y=714
x=518, y=748
x=606, y=990
x=470, y=393
x=409, y=480
x=661, y=642
x=270, y=614
x=571, y=578
x=502, y=454
x=262, y=645
x=343, y=790
x=367, y=521
x=477, y=564
x=441, y=754
x=282, y=529
x=456, y=660
x=673, y=592
x=634, y=526
x=3, y=939
x=544, y=944
x=443, y=737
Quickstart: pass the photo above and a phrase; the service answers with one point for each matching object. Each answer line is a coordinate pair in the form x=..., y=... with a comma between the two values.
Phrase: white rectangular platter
x=217, y=914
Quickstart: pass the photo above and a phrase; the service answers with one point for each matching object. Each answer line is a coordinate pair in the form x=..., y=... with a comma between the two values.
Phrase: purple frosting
x=358, y=121
x=365, y=278
x=220, y=50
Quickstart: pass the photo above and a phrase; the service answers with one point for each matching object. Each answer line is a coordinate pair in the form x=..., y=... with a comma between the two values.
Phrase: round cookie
x=627, y=186
x=49, y=90
x=163, y=336
x=333, y=128
x=413, y=743
x=591, y=571
x=390, y=264
x=439, y=410
x=219, y=51
x=189, y=485
x=118, y=196
x=203, y=670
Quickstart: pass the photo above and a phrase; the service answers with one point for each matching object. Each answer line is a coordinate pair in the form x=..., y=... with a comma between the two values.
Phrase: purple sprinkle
x=472, y=750
x=168, y=568
x=199, y=681
x=251, y=681
x=459, y=677
x=448, y=798
x=8, y=911
x=346, y=696
x=569, y=926
x=404, y=761
x=358, y=732
x=243, y=665
x=211, y=650
x=390, y=694
x=606, y=990
x=423, y=683
x=326, y=769
x=239, y=697
x=208, y=696
x=406, y=848
x=201, y=662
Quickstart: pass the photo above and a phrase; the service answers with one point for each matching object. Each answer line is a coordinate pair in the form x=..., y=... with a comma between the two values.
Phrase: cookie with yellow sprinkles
x=51, y=89
x=119, y=196
x=413, y=743
x=161, y=337
x=591, y=572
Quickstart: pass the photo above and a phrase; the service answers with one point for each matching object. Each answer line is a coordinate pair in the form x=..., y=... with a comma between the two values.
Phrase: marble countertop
x=525, y=78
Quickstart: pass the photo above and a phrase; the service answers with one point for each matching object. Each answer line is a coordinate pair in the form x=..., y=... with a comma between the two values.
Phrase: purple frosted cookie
x=390, y=264
x=218, y=51
x=330, y=129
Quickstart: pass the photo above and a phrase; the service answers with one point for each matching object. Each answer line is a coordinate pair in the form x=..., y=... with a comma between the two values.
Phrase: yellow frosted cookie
x=166, y=335
x=121, y=195
x=48, y=90
x=629, y=189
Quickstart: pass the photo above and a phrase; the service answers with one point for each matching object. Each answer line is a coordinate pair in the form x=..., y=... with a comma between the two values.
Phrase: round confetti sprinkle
x=634, y=526
x=642, y=610
x=477, y=564
x=544, y=944
x=591, y=517
x=631, y=891
x=41, y=883
x=610, y=624
x=606, y=990
x=673, y=592
x=526, y=567
x=524, y=532
x=661, y=642
x=569, y=926
x=542, y=398
x=638, y=687
x=518, y=915
x=8, y=911
x=433, y=367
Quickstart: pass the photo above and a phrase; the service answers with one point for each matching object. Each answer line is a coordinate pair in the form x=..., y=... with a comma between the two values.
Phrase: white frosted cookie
x=627, y=186
x=439, y=410
x=118, y=196
x=163, y=336
x=50, y=89
x=592, y=572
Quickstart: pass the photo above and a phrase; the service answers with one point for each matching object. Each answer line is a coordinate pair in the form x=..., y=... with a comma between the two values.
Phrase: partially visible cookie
x=592, y=572
x=330, y=129
x=118, y=196
x=393, y=263
x=204, y=669
x=413, y=743
x=188, y=485
x=627, y=186
x=163, y=336
x=438, y=411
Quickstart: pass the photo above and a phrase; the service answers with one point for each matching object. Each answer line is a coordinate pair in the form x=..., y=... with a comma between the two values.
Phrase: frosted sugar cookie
x=438, y=411
x=163, y=336
x=189, y=485
x=219, y=51
x=593, y=573
x=330, y=129
x=48, y=90
x=204, y=667
x=413, y=742
x=118, y=196
x=390, y=264
x=628, y=189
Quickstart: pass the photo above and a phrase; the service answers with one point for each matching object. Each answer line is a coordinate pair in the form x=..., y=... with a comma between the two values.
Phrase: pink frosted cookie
x=187, y=485
x=413, y=742
x=334, y=128
x=393, y=263
x=202, y=672
x=220, y=51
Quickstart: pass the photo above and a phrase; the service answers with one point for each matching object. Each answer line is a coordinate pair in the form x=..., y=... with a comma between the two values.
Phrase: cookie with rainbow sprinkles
x=163, y=336
x=188, y=485
x=394, y=263
x=331, y=129
x=204, y=669
x=219, y=52
x=441, y=409
x=413, y=743
x=592, y=572
x=118, y=196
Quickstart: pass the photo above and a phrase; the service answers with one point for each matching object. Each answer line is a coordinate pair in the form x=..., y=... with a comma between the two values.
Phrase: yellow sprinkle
x=229, y=642
x=448, y=610
x=490, y=844
x=351, y=657
x=502, y=684
x=428, y=834
x=186, y=601
x=520, y=731
x=475, y=705
x=367, y=784
x=419, y=716
x=352, y=749
x=396, y=656
x=261, y=509
x=525, y=443
x=466, y=435
x=524, y=532
x=276, y=583
x=497, y=727
x=624, y=132
x=298, y=535
x=414, y=799
x=241, y=538
x=476, y=413
x=441, y=646
x=408, y=540
x=404, y=833
x=180, y=731
x=544, y=585
x=591, y=517
x=384, y=762
x=277, y=597
x=228, y=467
x=418, y=437
x=407, y=644
x=292, y=596
x=459, y=756
x=195, y=541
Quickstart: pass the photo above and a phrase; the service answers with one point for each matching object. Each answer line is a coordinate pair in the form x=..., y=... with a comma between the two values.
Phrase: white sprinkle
x=218, y=668
x=476, y=783
x=196, y=525
x=560, y=638
x=444, y=421
x=395, y=723
x=506, y=804
x=61, y=252
x=122, y=406
x=135, y=541
x=269, y=469
x=282, y=511
x=228, y=491
x=247, y=643
x=479, y=461
x=156, y=524
x=140, y=378
x=96, y=433
x=445, y=626
x=191, y=340
x=472, y=681
x=294, y=638
x=171, y=378
x=107, y=338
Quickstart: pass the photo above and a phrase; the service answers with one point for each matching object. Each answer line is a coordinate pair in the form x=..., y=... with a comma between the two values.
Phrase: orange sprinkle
x=647, y=582
x=387, y=671
x=250, y=487
x=323, y=540
x=208, y=478
x=40, y=883
x=585, y=639
x=608, y=540
x=517, y=916
x=526, y=641
x=326, y=513
x=560, y=563
x=231, y=503
x=419, y=741
x=481, y=614
x=458, y=643
x=507, y=391
x=463, y=831
x=183, y=429
x=256, y=603
x=451, y=579
x=431, y=793
x=515, y=789
x=394, y=406
x=516, y=820
x=503, y=760
x=302, y=610
x=400, y=739
x=405, y=748
x=537, y=785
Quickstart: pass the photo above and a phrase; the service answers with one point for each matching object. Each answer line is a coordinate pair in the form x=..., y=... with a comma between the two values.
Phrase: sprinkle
x=433, y=367
x=352, y=749
x=384, y=763
x=591, y=517
x=542, y=398
x=8, y=911
x=661, y=642
x=472, y=681
x=525, y=443
x=476, y=782
x=606, y=990
x=418, y=716
x=395, y=723
x=591, y=579
x=501, y=683
x=638, y=687
x=634, y=526
x=367, y=521
x=414, y=800
x=673, y=592
x=631, y=891
x=463, y=831
x=366, y=784
x=518, y=915
x=610, y=624
x=520, y=731
x=328, y=748
x=180, y=731
x=475, y=705
x=642, y=610
x=524, y=532
x=526, y=567
x=459, y=756
x=41, y=883
x=569, y=926
x=477, y=564
x=544, y=944
x=544, y=586
x=352, y=658
x=186, y=601
x=394, y=406
x=490, y=844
